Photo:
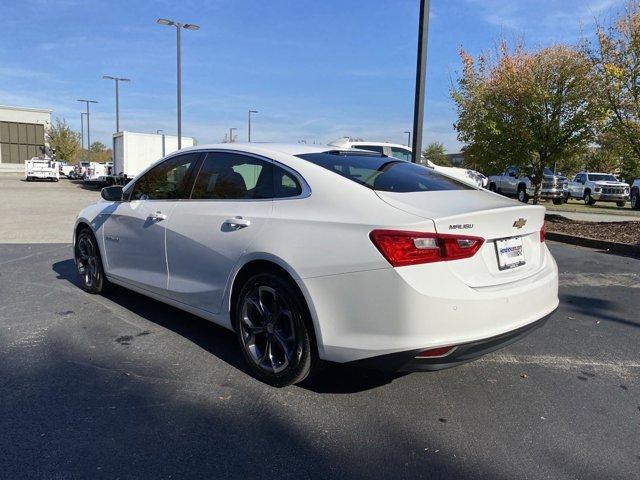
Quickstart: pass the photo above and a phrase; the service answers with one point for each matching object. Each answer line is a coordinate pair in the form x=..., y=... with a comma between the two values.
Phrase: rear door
x=135, y=231
x=231, y=203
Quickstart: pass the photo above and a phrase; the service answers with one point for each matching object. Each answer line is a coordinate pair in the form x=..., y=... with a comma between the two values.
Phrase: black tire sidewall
x=100, y=283
x=303, y=360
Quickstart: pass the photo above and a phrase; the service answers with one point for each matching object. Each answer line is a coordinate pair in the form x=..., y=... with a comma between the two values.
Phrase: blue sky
x=315, y=70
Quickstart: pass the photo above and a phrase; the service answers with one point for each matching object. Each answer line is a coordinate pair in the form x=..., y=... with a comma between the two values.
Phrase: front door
x=231, y=203
x=135, y=232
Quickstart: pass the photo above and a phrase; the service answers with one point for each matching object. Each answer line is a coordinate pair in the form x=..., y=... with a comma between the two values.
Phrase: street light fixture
x=249, y=134
x=231, y=134
x=158, y=132
x=117, y=81
x=179, y=26
x=408, y=132
x=88, y=126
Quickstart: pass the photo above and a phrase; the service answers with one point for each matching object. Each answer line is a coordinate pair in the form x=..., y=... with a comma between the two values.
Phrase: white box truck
x=133, y=152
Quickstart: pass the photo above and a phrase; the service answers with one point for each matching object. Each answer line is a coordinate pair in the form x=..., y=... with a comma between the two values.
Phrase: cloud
x=544, y=20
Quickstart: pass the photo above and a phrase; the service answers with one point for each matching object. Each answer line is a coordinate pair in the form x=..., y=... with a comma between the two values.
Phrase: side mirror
x=512, y=174
x=112, y=194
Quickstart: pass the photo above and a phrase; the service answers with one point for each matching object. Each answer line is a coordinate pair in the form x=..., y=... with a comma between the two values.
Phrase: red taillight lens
x=542, y=232
x=402, y=248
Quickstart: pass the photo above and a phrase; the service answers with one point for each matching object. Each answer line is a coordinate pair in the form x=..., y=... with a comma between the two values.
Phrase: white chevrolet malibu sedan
x=314, y=254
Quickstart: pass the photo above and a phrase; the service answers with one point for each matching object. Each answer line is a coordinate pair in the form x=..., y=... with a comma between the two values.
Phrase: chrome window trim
x=305, y=193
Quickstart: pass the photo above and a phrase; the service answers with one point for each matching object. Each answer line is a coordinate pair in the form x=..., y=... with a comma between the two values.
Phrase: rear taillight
x=542, y=232
x=402, y=248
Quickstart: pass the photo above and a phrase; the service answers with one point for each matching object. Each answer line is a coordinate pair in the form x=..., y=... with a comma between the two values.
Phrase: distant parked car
x=403, y=152
x=603, y=187
x=66, y=169
x=516, y=182
x=635, y=194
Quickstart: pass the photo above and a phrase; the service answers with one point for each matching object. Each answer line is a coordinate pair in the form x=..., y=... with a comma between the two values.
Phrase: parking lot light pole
x=179, y=26
x=82, y=114
x=408, y=132
x=421, y=65
x=158, y=132
x=88, y=126
x=249, y=134
x=117, y=81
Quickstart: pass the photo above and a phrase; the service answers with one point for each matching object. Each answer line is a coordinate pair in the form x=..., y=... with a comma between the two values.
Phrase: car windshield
x=387, y=174
x=602, y=178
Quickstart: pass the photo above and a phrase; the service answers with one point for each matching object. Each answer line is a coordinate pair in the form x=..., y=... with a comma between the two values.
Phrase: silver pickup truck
x=635, y=194
x=516, y=182
x=598, y=187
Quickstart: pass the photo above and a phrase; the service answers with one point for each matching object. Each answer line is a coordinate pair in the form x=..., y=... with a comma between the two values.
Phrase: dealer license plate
x=510, y=253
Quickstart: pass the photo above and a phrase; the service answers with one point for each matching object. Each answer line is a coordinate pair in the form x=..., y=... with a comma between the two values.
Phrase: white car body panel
x=360, y=305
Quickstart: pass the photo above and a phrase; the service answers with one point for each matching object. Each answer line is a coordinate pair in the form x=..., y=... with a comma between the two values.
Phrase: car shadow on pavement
x=333, y=378
x=597, y=308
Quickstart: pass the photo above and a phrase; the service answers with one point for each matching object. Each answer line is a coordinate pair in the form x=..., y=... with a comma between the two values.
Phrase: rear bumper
x=378, y=313
x=466, y=352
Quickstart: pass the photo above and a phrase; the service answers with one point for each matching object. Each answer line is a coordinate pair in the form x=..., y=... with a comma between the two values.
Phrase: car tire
x=89, y=263
x=635, y=199
x=492, y=187
x=522, y=195
x=274, y=330
x=588, y=200
x=621, y=203
x=558, y=201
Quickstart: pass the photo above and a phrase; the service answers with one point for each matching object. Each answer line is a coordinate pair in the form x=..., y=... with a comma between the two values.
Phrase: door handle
x=237, y=223
x=158, y=216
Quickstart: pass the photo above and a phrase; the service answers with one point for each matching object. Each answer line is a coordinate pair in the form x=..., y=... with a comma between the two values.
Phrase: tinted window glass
x=233, y=176
x=167, y=181
x=384, y=173
x=285, y=184
x=401, y=154
x=371, y=148
x=602, y=178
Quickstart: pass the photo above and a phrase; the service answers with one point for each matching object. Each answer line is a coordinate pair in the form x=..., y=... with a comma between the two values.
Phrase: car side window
x=233, y=176
x=168, y=181
x=401, y=154
x=285, y=184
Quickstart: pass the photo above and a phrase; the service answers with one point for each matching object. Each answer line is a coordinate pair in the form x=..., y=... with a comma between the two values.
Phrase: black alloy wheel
x=274, y=330
x=89, y=263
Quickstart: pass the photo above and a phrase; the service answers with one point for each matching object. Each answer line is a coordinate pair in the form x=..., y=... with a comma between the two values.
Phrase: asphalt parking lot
x=121, y=386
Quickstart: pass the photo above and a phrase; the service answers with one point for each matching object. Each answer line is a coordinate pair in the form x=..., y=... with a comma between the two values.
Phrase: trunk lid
x=478, y=213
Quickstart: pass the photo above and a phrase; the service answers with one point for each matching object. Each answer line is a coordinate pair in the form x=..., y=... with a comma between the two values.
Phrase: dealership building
x=22, y=134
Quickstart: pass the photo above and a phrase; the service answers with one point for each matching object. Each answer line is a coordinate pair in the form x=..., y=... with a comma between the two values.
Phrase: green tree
x=65, y=141
x=526, y=108
x=98, y=152
x=434, y=152
x=616, y=57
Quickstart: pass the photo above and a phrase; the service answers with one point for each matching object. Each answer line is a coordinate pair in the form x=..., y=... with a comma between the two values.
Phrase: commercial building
x=22, y=134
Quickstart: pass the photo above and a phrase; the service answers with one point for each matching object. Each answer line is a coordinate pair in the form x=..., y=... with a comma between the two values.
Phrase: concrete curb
x=613, y=247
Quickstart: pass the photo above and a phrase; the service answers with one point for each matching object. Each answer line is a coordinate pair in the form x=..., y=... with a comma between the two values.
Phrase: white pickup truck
x=599, y=187
x=42, y=169
x=99, y=174
x=635, y=194
x=516, y=182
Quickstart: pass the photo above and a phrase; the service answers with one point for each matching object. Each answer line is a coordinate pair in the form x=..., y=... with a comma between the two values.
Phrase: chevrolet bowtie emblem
x=519, y=223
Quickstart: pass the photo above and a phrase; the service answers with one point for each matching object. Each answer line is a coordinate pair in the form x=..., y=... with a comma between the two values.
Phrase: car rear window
x=386, y=174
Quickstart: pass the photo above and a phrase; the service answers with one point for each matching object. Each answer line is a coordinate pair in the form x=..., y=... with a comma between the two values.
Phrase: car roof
x=346, y=142
x=264, y=148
